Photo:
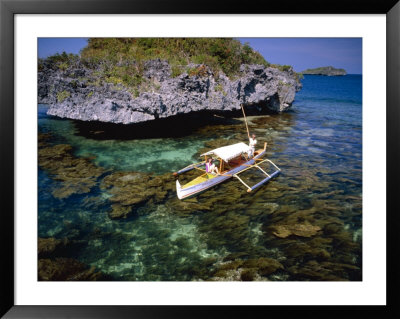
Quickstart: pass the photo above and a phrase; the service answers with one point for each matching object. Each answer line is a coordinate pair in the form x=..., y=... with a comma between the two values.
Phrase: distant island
x=325, y=70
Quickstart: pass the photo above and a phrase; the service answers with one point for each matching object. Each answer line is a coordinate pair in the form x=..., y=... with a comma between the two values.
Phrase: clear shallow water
x=318, y=146
x=145, y=155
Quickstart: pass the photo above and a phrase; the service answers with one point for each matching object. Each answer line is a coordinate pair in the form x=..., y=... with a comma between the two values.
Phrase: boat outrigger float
x=233, y=160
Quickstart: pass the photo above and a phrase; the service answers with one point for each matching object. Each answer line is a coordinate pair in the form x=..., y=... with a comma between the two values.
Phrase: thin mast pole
x=245, y=121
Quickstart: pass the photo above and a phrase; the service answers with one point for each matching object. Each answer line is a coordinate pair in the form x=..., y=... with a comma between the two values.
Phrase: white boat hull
x=199, y=188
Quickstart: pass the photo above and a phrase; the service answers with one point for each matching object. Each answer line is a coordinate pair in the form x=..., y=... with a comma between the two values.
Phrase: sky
x=51, y=46
x=305, y=53
x=301, y=53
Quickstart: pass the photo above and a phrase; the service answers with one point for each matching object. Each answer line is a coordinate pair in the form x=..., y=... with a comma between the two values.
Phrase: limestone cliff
x=77, y=92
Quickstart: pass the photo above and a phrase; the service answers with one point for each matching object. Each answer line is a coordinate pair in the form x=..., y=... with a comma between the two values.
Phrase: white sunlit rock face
x=76, y=93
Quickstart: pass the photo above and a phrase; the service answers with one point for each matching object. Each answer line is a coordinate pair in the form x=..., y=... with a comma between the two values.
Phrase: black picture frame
x=9, y=8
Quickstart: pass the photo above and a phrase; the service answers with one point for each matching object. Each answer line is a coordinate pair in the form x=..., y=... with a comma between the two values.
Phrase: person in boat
x=252, y=145
x=210, y=167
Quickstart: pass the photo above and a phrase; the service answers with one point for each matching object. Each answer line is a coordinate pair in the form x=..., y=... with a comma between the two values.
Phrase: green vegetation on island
x=122, y=60
x=219, y=54
x=326, y=70
x=61, y=96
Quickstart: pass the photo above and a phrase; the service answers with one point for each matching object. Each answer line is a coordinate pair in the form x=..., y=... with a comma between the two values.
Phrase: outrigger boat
x=233, y=161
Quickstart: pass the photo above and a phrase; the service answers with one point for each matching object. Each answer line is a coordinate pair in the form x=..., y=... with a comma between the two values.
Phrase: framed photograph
x=158, y=156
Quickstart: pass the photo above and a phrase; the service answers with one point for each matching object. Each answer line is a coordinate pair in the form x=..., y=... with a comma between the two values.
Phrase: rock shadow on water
x=177, y=126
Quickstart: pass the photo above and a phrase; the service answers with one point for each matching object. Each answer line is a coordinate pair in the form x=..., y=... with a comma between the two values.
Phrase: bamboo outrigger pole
x=245, y=121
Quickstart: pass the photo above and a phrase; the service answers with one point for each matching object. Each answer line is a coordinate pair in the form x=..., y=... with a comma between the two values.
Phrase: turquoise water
x=317, y=145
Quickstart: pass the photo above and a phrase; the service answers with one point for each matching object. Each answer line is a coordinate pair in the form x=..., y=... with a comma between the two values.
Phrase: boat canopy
x=228, y=152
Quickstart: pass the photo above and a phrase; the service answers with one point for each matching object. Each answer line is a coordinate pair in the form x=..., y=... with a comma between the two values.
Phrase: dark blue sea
x=304, y=225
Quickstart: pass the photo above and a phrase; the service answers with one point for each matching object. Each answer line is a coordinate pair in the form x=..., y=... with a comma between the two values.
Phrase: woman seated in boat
x=210, y=167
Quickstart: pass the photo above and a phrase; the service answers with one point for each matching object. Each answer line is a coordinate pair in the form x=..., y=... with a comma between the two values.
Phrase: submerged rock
x=247, y=270
x=66, y=269
x=301, y=230
x=77, y=175
x=264, y=266
x=130, y=190
x=325, y=271
x=52, y=247
x=119, y=211
x=89, y=98
x=47, y=246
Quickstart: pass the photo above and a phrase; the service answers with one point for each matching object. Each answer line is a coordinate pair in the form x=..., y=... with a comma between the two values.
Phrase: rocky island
x=326, y=70
x=126, y=81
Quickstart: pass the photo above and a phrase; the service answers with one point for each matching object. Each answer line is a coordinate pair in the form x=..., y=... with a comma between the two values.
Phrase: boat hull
x=191, y=191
